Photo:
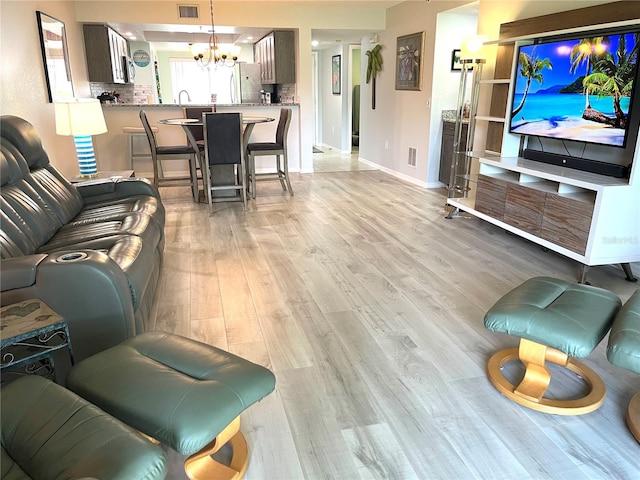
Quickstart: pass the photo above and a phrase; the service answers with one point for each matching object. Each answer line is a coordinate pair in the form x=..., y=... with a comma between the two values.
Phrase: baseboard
x=393, y=173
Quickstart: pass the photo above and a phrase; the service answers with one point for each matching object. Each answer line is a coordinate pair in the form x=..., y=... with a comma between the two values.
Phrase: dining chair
x=197, y=132
x=223, y=147
x=160, y=153
x=277, y=148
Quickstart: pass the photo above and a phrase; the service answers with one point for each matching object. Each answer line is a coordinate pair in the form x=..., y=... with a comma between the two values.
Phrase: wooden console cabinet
x=591, y=218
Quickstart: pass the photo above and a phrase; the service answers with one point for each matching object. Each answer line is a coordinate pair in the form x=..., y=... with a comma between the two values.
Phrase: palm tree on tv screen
x=614, y=79
x=587, y=51
x=530, y=68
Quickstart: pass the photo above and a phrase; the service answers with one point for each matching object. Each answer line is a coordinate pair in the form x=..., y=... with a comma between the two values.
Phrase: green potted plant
x=374, y=65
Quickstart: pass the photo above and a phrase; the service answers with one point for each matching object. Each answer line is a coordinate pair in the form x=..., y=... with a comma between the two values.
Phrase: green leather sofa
x=92, y=251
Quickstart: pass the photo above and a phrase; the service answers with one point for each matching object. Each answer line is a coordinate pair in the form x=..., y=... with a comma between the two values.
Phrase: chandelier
x=214, y=52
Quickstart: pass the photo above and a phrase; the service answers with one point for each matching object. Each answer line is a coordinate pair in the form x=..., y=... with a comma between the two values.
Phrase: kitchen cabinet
x=106, y=50
x=276, y=55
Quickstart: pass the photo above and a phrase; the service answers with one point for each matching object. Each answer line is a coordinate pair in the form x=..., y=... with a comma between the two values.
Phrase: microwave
x=129, y=69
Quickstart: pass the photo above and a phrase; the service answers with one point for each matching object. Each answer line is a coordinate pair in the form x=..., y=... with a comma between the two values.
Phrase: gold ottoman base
x=633, y=416
x=530, y=392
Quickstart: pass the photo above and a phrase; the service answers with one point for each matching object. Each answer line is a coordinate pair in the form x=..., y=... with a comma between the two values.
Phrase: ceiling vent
x=188, y=11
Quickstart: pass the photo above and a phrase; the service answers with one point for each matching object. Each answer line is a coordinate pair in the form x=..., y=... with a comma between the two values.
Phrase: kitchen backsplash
x=287, y=92
x=139, y=94
x=135, y=94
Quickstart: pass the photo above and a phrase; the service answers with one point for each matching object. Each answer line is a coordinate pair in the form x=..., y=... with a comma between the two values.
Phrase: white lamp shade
x=473, y=47
x=79, y=116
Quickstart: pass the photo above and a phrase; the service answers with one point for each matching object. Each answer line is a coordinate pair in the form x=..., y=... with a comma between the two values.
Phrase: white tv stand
x=593, y=219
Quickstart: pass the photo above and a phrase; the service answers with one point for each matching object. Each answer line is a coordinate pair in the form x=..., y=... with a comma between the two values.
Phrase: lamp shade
x=473, y=47
x=79, y=116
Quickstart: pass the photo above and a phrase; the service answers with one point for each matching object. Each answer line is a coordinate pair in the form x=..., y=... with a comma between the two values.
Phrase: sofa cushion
x=623, y=349
x=43, y=208
x=59, y=195
x=569, y=317
x=51, y=433
x=10, y=470
x=19, y=198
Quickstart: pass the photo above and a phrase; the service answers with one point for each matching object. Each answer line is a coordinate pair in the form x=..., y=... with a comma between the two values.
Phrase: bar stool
x=134, y=132
x=277, y=149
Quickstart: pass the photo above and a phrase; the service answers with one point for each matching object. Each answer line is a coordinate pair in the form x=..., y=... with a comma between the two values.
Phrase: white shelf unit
x=593, y=219
x=612, y=205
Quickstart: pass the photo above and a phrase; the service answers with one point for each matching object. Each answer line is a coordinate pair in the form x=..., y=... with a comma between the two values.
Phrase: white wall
x=23, y=90
x=333, y=106
x=451, y=30
x=144, y=75
x=403, y=118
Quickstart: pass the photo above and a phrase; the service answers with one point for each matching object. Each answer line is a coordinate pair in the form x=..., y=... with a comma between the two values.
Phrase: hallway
x=332, y=161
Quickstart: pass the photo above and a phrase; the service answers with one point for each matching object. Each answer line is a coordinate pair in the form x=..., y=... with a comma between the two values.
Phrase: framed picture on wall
x=455, y=61
x=55, y=56
x=409, y=62
x=335, y=74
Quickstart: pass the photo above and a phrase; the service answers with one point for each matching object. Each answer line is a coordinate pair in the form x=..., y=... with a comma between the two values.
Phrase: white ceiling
x=177, y=37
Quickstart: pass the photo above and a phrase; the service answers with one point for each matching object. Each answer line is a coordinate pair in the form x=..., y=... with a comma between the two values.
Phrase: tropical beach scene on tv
x=577, y=89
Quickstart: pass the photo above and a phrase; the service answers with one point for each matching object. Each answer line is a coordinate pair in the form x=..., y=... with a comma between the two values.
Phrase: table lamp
x=81, y=118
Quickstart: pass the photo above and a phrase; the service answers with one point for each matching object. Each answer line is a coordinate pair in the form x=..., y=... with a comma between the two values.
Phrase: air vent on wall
x=188, y=11
x=412, y=157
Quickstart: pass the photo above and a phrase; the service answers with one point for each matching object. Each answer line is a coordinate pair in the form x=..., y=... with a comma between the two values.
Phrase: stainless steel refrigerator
x=245, y=83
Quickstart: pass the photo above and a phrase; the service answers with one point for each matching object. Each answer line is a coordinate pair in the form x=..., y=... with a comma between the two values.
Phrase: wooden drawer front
x=524, y=208
x=491, y=195
x=566, y=222
x=567, y=211
x=448, y=128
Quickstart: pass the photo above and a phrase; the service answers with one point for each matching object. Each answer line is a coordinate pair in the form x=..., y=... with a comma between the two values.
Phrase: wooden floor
x=368, y=304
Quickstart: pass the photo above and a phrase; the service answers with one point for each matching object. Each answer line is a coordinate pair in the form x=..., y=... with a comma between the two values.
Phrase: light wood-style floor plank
x=368, y=306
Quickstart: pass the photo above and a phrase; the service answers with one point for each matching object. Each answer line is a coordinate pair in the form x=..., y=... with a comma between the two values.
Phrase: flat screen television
x=578, y=88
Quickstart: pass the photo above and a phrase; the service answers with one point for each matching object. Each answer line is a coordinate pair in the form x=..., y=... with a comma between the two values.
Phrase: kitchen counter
x=450, y=116
x=217, y=105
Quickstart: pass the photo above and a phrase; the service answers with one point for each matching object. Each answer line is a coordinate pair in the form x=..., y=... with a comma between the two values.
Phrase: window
x=202, y=82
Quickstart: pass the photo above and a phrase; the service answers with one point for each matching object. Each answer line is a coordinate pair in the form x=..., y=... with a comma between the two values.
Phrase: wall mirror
x=55, y=56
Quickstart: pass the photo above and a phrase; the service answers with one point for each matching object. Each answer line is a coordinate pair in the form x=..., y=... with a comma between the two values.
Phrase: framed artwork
x=409, y=62
x=335, y=74
x=55, y=56
x=455, y=61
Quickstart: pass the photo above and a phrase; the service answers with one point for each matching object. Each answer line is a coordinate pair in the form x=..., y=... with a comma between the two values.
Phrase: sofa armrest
x=112, y=188
x=20, y=272
x=85, y=287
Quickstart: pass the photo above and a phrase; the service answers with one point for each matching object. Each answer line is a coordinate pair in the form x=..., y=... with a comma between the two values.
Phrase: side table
x=103, y=174
x=30, y=332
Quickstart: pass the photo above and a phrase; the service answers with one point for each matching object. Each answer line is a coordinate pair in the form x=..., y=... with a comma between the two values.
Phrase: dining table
x=222, y=172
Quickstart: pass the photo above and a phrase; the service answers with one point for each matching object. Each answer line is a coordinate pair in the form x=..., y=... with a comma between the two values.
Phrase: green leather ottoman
x=555, y=320
x=183, y=393
x=623, y=350
x=49, y=432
